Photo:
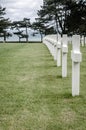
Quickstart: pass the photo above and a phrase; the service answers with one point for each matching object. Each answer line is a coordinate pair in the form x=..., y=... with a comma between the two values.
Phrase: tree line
x=20, y=28
x=55, y=16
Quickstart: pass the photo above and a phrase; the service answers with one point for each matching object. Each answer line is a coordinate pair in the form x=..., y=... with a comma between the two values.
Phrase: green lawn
x=33, y=95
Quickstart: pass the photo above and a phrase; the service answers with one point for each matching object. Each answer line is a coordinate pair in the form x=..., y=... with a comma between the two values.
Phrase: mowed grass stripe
x=33, y=95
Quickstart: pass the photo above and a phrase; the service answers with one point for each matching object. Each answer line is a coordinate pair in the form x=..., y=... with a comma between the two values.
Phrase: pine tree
x=19, y=25
x=4, y=24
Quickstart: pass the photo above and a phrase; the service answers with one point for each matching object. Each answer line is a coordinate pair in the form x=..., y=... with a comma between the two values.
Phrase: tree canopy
x=68, y=16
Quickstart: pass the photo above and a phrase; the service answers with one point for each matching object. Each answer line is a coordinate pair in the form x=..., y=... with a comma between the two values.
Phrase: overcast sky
x=19, y=9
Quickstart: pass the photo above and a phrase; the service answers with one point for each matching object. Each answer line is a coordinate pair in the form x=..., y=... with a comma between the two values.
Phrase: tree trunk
x=26, y=35
x=19, y=39
x=41, y=36
x=4, y=37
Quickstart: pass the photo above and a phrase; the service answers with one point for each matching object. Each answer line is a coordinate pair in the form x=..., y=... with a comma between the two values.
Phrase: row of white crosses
x=83, y=40
x=56, y=47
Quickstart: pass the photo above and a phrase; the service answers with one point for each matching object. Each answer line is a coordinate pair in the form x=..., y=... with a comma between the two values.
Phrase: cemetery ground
x=33, y=94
